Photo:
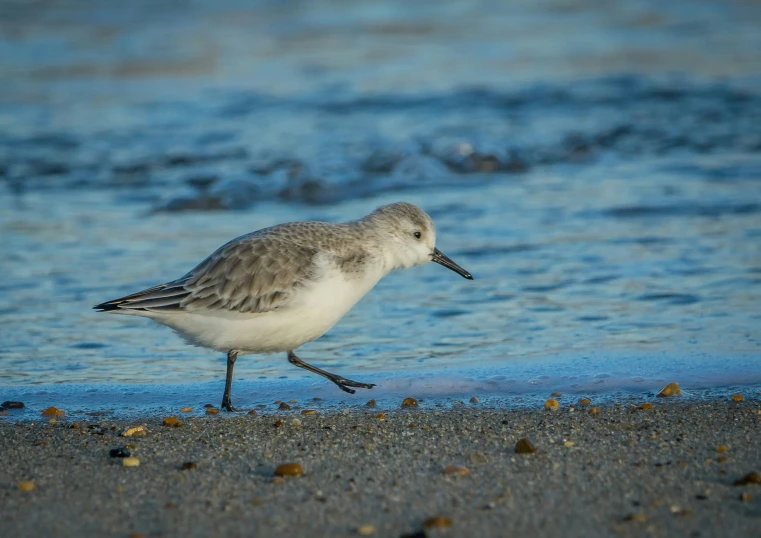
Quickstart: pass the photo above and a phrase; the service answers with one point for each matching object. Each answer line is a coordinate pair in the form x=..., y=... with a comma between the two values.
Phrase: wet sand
x=623, y=471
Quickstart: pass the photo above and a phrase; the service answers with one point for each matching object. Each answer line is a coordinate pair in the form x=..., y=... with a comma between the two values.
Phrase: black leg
x=226, y=403
x=342, y=383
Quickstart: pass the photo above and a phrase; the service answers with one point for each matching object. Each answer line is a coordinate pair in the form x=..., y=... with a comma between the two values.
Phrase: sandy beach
x=669, y=470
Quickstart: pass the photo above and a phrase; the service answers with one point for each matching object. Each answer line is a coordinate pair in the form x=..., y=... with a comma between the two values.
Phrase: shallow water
x=609, y=210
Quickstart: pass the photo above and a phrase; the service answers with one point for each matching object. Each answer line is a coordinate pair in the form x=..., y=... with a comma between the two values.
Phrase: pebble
x=189, y=466
x=672, y=389
x=309, y=412
x=119, y=453
x=371, y=403
x=289, y=469
x=409, y=402
x=437, y=522
x=721, y=448
x=737, y=398
x=524, y=446
x=594, y=411
x=646, y=406
x=585, y=402
x=551, y=405
x=381, y=416
x=186, y=410
x=53, y=412
x=13, y=405
x=284, y=406
x=252, y=413
x=555, y=395
x=366, y=530
x=474, y=400
x=172, y=422
x=212, y=411
x=26, y=486
x=745, y=497
x=131, y=462
x=134, y=430
x=454, y=469
x=639, y=518
x=748, y=479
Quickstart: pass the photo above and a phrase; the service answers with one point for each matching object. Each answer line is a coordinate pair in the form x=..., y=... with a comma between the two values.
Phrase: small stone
x=748, y=479
x=454, y=469
x=26, y=486
x=276, y=480
x=745, y=497
x=52, y=422
x=308, y=412
x=252, y=413
x=437, y=522
x=366, y=530
x=13, y=405
x=638, y=518
x=721, y=448
x=672, y=389
x=134, y=430
x=137, y=535
x=278, y=423
x=212, y=411
x=646, y=406
x=371, y=403
x=594, y=411
x=524, y=446
x=474, y=400
x=284, y=406
x=189, y=466
x=172, y=422
x=119, y=453
x=585, y=402
x=722, y=459
x=75, y=426
x=381, y=416
x=568, y=444
x=186, y=410
x=292, y=401
x=289, y=469
x=555, y=395
x=208, y=406
x=53, y=412
x=409, y=402
x=130, y=462
x=737, y=398
x=551, y=405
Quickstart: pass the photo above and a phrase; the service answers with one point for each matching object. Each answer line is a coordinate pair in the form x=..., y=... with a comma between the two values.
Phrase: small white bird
x=278, y=288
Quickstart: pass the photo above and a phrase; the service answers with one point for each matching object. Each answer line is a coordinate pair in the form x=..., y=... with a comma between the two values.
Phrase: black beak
x=441, y=259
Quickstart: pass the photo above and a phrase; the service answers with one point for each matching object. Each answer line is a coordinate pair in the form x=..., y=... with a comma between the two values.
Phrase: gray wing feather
x=252, y=274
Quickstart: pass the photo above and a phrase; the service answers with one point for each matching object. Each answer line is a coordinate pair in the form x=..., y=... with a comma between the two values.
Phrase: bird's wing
x=249, y=275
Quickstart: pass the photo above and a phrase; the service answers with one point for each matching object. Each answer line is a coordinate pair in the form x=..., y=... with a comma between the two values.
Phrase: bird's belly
x=312, y=313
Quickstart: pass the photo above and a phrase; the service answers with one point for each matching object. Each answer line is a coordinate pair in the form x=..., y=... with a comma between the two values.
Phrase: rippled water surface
x=609, y=209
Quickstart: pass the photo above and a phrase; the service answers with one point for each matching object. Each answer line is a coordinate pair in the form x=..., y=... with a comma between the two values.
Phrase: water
x=601, y=179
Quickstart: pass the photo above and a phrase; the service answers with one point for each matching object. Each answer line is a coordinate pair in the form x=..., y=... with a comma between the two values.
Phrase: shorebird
x=278, y=288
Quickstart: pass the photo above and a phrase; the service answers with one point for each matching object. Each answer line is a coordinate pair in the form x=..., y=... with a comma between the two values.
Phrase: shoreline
x=623, y=470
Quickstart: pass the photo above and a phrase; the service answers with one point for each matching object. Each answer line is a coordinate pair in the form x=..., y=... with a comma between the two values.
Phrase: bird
x=275, y=289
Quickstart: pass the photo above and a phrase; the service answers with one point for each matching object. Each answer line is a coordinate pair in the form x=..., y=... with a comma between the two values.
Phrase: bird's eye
x=417, y=235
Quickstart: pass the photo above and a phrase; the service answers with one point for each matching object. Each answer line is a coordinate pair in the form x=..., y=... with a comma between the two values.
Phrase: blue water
x=597, y=169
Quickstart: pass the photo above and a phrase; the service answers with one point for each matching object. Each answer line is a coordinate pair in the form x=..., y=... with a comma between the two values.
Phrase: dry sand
x=622, y=472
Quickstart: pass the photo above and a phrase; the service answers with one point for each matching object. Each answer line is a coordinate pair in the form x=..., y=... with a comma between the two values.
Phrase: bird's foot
x=344, y=384
x=227, y=405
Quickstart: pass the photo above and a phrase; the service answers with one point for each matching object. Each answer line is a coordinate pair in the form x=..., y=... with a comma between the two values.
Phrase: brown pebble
x=170, y=505
x=292, y=401
x=721, y=448
x=172, y=422
x=551, y=405
x=646, y=406
x=722, y=459
x=212, y=411
x=137, y=535
x=409, y=402
x=252, y=413
x=366, y=530
x=737, y=398
x=474, y=400
x=639, y=518
x=289, y=469
x=594, y=411
x=130, y=462
x=745, y=497
x=284, y=406
x=26, y=486
x=308, y=412
x=371, y=403
x=134, y=430
x=75, y=426
x=276, y=480
x=278, y=423
x=672, y=389
x=748, y=479
x=437, y=522
x=585, y=402
x=189, y=466
x=555, y=395
x=53, y=412
x=454, y=469
x=381, y=416
x=524, y=446
x=186, y=410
